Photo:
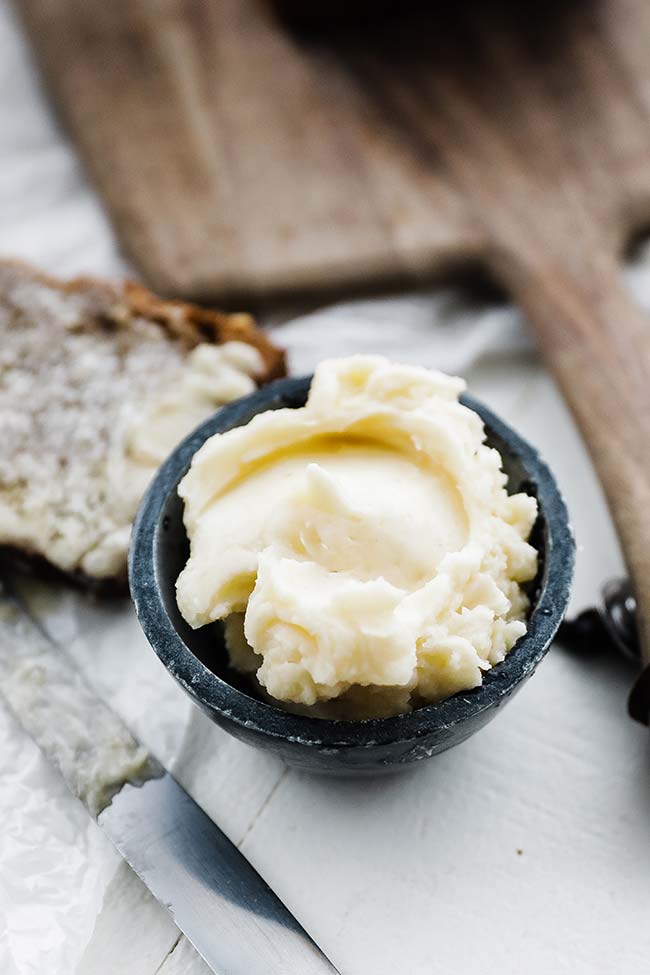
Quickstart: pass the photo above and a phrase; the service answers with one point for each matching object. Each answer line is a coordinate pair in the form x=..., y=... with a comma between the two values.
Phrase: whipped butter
x=363, y=548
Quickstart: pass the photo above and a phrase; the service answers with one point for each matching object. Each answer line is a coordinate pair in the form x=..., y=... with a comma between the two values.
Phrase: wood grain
x=238, y=156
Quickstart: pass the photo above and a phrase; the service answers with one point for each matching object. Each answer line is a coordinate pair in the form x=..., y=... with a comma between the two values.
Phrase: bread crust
x=115, y=306
x=118, y=302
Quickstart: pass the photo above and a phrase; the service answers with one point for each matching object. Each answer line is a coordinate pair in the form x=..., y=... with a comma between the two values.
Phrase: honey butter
x=363, y=548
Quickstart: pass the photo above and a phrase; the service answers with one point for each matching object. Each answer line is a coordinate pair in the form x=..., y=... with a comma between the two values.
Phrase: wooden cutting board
x=239, y=158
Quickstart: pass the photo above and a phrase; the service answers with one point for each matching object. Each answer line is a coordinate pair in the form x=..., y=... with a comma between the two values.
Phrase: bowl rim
x=214, y=694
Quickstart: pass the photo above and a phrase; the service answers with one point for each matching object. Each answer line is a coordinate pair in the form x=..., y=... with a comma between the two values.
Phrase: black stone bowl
x=198, y=660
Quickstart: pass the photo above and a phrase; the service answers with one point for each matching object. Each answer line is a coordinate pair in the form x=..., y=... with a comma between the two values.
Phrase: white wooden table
x=523, y=850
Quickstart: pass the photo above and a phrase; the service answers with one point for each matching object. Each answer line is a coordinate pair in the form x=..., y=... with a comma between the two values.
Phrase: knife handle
x=93, y=750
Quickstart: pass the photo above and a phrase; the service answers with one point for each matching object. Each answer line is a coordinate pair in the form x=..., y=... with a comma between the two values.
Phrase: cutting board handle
x=596, y=340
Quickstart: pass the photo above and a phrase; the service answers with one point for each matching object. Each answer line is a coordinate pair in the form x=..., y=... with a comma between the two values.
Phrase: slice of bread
x=98, y=382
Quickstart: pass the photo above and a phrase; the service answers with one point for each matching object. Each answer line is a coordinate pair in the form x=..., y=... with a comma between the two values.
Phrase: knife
x=231, y=916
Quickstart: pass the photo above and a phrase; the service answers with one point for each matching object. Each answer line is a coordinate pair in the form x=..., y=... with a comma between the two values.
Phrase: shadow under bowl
x=197, y=659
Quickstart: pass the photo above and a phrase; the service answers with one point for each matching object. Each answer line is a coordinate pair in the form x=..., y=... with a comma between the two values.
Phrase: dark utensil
x=609, y=627
x=198, y=661
x=613, y=627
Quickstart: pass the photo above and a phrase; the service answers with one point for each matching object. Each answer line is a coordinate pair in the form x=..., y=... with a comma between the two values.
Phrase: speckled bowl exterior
x=198, y=661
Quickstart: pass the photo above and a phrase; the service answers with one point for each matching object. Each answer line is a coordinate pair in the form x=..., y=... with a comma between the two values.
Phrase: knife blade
x=220, y=902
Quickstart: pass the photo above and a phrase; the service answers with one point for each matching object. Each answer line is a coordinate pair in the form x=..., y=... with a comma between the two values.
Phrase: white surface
x=416, y=874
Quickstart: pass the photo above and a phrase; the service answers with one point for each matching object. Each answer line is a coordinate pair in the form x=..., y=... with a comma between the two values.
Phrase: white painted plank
x=184, y=960
x=133, y=934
